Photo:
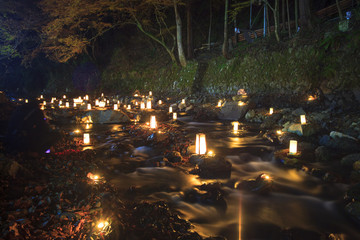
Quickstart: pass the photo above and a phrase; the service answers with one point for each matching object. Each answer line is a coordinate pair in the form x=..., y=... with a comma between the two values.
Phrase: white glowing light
x=170, y=110
x=67, y=104
x=64, y=97
x=142, y=105
x=302, y=119
x=128, y=107
x=174, y=116
x=293, y=147
x=200, y=144
x=86, y=97
x=88, y=106
x=86, y=138
x=271, y=111
x=236, y=126
x=150, y=93
x=219, y=103
x=241, y=103
x=183, y=101
x=153, y=123
x=148, y=104
x=26, y=100
x=160, y=102
x=102, y=104
x=116, y=107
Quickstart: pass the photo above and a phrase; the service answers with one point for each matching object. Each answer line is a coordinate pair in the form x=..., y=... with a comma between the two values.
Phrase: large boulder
x=106, y=116
x=232, y=111
x=211, y=167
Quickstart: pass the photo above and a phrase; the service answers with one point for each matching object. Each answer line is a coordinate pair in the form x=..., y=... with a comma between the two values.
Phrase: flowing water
x=298, y=207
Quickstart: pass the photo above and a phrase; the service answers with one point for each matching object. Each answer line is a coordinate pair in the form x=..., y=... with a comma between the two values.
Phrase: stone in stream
x=344, y=144
x=158, y=161
x=262, y=184
x=211, y=167
x=174, y=157
x=350, y=159
x=323, y=154
x=106, y=116
x=232, y=111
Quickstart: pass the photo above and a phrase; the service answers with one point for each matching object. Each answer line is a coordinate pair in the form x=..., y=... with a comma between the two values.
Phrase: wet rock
x=232, y=111
x=350, y=159
x=181, y=106
x=174, y=157
x=301, y=130
x=250, y=115
x=106, y=116
x=205, y=114
x=294, y=128
x=298, y=112
x=344, y=144
x=213, y=167
x=262, y=184
x=353, y=209
x=158, y=161
x=322, y=154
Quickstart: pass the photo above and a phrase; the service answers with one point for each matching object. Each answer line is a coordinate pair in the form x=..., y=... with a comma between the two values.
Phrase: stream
x=298, y=207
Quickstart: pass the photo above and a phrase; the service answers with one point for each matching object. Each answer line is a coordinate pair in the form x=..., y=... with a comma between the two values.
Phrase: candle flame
x=293, y=147
x=200, y=143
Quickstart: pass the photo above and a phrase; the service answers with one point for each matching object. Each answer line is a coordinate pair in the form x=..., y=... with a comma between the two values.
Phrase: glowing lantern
x=87, y=126
x=219, y=103
x=200, y=144
x=183, y=101
x=41, y=96
x=211, y=153
x=115, y=107
x=150, y=93
x=170, y=110
x=107, y=101
x=60, y=102
x=128, y=107
x=89, y=106
x=293, y=147
x=42, y=108
x=64, y=97
x=67, y=104
x=311, y=98
x=74, y=104
x=160, y=102
x=271, y=111
x=97, y=102
x=279, y=132
x=142, y=105
x=86, y=138
x=241, y=103
x=136, y=103
x=174, y=116
x=302, y=119
x=148, y=104
x=86, y=97
x=102, y=104
x=102, y=95
x=26, y=100
x=153, y=122
x=44, y=103
x=52, y=100
x=236, y=126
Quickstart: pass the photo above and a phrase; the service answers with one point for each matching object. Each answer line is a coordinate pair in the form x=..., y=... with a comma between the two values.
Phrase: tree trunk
x=209, y=36
x=225, y=47
x=268, y=22
x=275, y=11
x=339, y=10
x=190, y=46
x=288, y=17
x=304, y=20
x=296, y=15
x=179, y=36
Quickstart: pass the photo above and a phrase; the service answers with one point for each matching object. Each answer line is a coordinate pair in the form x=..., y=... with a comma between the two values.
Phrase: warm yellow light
x=265, y=177
x=86, y=97
x=142, y=105
x=271, y=111
x=74, y=104
x=87, y=126
x=128, y=107
x=241, y=103
x=148, y=104
x=44, y=103
x=136, y=103
x=60, y=102
x=86, y=138
x=26, y=100
x=108, y=101
x=183, y=101
x=160, y=102
x=311, y=98
x=279, y=132
x=42, y=108
x=174, y=116
x=293, y=147
x=200, y=144
x=153, y=122
x=102, y=104
x=210, y=153
x=67, y=104
x=64, y=97
x=97, y=102
x=41, y=96
x=116, y=107
x=302, y=119
x=219, y=103
x=170, y=110
x=88, y=106
x=136, y=95
x=78, y=100
x=236, y=126
x=150, y=93
x=102, y=94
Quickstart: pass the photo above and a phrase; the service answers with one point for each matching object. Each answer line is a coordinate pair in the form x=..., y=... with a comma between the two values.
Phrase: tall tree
x=189, y=39
x=275, y=10
x=225, y=47
x=339, y=10
x=210, y=23
x=288, y=17
x=305, y=14
x=179, y=35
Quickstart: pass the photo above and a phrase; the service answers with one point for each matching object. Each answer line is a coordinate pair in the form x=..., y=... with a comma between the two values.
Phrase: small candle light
x=241, y=103
x=128, y=107
x=41, y=96
x=86, y=97
x=64, y=97
x=88, y=106
x=77, y=131
x=44, y=103
x=67, y=104
x=102, y=104
x=174, y=116
x=302, y=119
x=60, y=102
x=183, y=101
x=200, y=143
x=265, y=177
x=219, y=103
x=26, y=100
x=160, y=102
x=115, y=107
x=293, y=147
x=102, y=94
x=311, y=98
x=153, y=122
x=107, y=101
x=170, y=110
x=74, y=104
x=142, y=105
x=86, y=138
x=236, y=126
x=279, y=132
x=210, y=153
x=150, y=93
x=271, y=111
x=148, y=104
x=97, y=102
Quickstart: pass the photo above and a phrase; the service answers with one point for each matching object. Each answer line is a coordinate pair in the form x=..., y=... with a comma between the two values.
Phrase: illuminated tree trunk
x=225, y=46
x=179, y=36
x=190, y=46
